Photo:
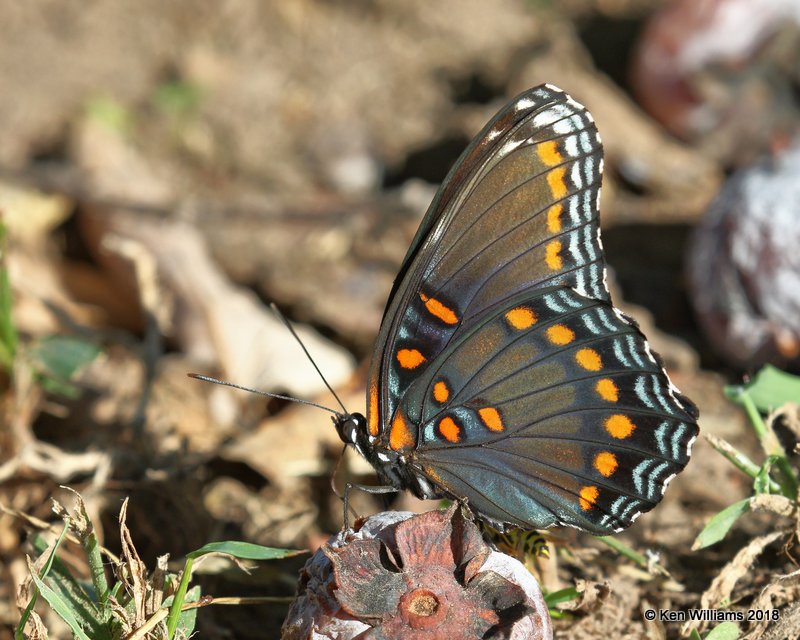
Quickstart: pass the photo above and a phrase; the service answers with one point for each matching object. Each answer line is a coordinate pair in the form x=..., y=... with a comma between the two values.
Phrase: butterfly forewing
x=503, y=375
x=518, y=211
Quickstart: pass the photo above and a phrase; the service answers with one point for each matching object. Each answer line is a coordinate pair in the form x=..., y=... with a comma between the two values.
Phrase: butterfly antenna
x=198, y=376
x=278, y=313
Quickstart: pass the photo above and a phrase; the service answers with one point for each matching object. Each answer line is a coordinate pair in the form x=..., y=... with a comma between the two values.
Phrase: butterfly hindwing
x=562, y=416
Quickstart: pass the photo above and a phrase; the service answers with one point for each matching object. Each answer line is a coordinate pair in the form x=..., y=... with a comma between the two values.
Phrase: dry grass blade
x=722, y=586
x=157, y=583
x=654, y=628
x=592, y=596
x=35, y=629
x=133, y=571
x=780, y=505
x=781, y=591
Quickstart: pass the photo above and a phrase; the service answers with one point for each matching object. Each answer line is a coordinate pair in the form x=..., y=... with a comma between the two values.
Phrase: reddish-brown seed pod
x=415, y=577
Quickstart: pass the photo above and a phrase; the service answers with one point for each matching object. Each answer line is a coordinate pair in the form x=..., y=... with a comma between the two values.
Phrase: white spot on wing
x=633, y=350
x=689, y=446
x=575, y=175
x=524, y=103
x=589, y=323
x=562, y=127
x=571, y=146
x=509, y=146
x=588, y=245
x=574, y=217
x=640, y=388
x=620, y=354
x=555, y=114
x=574, y=103
x=493, y=133
x=569, y=300
x=649, y=352
x=553, y=305
x=586, y=143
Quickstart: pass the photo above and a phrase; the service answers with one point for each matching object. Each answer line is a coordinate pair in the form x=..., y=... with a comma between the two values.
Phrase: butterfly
x=503, y=376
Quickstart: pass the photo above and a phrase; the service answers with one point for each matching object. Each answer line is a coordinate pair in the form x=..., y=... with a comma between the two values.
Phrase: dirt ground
x=169, y=169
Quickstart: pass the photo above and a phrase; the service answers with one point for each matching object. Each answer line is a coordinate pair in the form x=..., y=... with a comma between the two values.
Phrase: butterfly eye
x=349, y=426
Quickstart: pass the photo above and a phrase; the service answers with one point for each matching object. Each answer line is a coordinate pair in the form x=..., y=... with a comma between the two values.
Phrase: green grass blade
x=740, y=461
x=718, y=527
x=563, y=595
x=245, y=551
x=19, y=633
x=79, y=596
x=624, y=550
x=769, y=389
x=724, y=631
x=62, y=607
x=242, y=550
x=769, y=442
x=61, y=356
x=8, y=333
x=188, y=619
x=178, y=599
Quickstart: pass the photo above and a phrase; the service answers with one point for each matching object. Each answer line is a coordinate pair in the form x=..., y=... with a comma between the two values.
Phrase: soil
x=170, y=169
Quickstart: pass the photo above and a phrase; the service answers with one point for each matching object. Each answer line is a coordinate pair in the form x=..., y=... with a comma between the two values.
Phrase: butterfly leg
x=367, y=489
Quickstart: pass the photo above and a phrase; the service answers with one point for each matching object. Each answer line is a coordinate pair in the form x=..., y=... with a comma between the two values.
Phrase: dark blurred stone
x=744, y=265
x=722, y=73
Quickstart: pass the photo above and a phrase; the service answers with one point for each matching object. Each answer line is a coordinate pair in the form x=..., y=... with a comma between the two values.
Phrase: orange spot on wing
x=440, y=392
x=553, y=255
x=491, y=419
x=410, y=358
x=589, y=359
x=433, y=475
x=560, y=334
x=588, y=497
x=400, y=435
x=607, y=390
x=449, y=429
x=374, y=419
x=521, y=318
x=554, y=218
x=555, y=180
x=606, y=463
x=548, y=152
x=436, y=308
x=619, y=426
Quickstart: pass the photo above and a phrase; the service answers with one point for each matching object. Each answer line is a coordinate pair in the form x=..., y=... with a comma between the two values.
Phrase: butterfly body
x=502, y=375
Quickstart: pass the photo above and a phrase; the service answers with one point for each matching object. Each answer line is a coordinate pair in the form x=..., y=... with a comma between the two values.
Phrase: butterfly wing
x=502, y=374
x=552, y=410
x=518, y=211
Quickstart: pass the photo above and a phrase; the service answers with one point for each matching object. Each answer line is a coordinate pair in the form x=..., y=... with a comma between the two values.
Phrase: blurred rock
x=722, y=73
x=744, y=265
x=30, y=215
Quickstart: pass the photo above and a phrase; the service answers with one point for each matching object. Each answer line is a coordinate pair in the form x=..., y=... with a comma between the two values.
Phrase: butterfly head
x=352, y=429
